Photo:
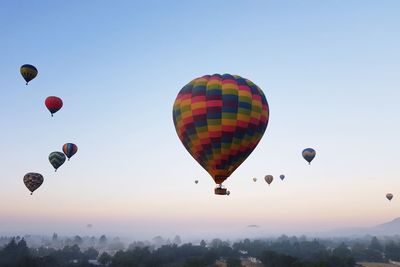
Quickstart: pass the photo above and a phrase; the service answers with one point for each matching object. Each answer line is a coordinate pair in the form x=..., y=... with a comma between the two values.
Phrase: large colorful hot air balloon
x=389, y=196
x=28, y=72
x=33, y=181
x=308, y=154
x=53, y=104
x=69, y=149
x=269, y=179
x=57, y=159
x=220, y=119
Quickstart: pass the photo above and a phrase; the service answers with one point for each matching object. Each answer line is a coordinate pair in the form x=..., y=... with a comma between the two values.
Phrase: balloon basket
x=220, y=191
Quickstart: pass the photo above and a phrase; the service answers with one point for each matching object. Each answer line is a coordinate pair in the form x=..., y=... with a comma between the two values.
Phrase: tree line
x=283, y=252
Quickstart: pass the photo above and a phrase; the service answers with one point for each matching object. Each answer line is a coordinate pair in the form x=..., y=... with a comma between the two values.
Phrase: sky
x=330, y=72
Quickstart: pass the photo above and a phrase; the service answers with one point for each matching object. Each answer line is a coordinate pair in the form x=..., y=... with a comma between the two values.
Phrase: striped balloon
x=220, y=119
x=69, y=149
x=57, y=159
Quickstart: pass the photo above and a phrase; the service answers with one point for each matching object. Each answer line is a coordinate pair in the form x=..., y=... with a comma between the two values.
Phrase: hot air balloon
x=196, y=181
x=33, y=181
x=269, y=179
x=69, y=149
x=255, y=179
x=309, y=154
x=282, y=177
x=228, y=193
x=28, y=72
x=53, y=104
x=389, y=196
x=57, y=159
x=220, y=119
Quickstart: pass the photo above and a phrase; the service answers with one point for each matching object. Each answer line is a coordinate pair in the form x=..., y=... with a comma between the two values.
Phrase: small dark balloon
x=269, y=179
x=33, y=181
x=57, y=159
x=28, y=72
x=309, y=154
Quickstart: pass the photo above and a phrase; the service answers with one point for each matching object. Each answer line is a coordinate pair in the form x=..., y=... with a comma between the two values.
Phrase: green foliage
x=375, y=245
x=284, y=252
x=392, y=251
x=105, y=258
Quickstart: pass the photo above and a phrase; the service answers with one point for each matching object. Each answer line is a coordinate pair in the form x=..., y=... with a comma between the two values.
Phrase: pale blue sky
x=330, y=71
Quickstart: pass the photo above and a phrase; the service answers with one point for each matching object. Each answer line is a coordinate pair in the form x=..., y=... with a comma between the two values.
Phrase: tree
x=105, y=258
x=103, y=240
x=375, y=244
x=54, y=238
x=91, y=254
x=15, y=254
x=216, y=242
x=273, y=259
x=158, y=241
x=177, y=240
x=22, y=248
x=78, y=240
x=342, y=251
x=392, y=251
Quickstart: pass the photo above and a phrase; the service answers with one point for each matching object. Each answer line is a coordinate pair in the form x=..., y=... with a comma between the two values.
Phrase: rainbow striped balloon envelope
x=220, y=119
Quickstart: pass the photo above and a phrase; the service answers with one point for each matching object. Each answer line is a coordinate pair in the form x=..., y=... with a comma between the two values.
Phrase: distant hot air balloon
x=33, y=181
x=57, y=159
x=53, y=104
x=255, y=179
x=28, y=72
x=196, y=181
x=69, y=149
x=389, y=196
x=269, y=179
x=282, y=177
x=220, y=119
x=308, y=154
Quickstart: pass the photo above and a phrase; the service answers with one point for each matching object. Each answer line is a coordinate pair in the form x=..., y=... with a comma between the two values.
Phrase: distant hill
x=389, y=228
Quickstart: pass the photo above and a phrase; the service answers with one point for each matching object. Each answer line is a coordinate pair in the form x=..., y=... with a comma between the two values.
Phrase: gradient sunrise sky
x=330, y=72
